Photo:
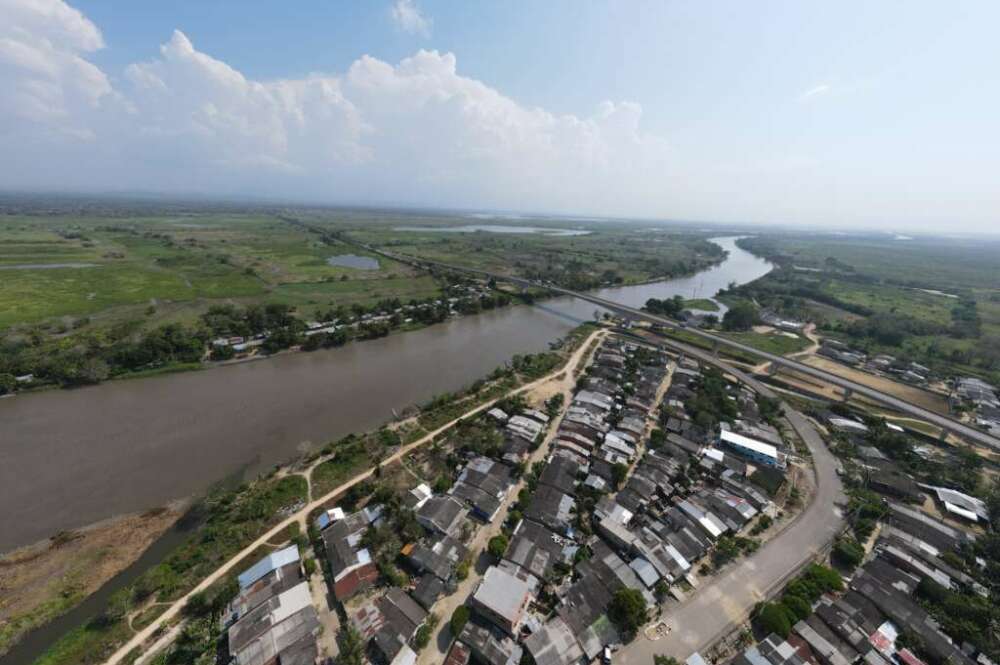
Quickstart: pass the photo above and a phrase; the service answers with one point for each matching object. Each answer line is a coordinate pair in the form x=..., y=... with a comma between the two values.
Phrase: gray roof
x=536, y=548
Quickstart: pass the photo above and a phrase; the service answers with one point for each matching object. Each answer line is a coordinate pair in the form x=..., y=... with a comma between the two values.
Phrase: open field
x=913, y=394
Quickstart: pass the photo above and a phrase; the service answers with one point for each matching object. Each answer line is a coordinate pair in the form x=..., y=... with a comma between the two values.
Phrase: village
x=561, y=534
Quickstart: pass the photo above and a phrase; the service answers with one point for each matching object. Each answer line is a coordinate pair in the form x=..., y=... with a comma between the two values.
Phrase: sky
x=878, y=115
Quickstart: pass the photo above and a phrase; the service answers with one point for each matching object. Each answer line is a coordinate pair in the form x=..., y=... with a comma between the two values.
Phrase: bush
x=775, y=618
x=797, y=606
x=498, y=545
x=423, y=636
x=458, y=619
x=847, y=553
x=627, y=610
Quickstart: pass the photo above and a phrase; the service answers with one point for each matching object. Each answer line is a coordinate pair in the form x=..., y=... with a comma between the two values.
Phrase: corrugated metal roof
x=271, y=562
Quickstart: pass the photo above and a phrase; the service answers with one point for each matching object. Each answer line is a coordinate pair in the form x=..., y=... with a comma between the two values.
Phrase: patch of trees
x=796, y=603
x=711, y=402
x=668, y=307
x=740, y=317
x=628, y=611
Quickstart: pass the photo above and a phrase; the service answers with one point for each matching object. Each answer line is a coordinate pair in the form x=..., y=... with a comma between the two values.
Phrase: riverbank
x=288, y=494
x=176, y=434
x=47, y=579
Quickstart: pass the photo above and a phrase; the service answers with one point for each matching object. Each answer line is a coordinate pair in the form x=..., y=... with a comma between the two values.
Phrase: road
x=948, y=424
x=175, y=608
x=717, y=607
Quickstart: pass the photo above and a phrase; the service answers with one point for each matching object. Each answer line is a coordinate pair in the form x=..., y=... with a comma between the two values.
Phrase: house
x=283, y=629
x=483, y=484
x=417, y=496
x=537, y=550
x=960, y=505
x=442, y=515
x=267, y=565
x=389, y=623
x=489, y=645
x=438, y=558
x=278, y=579
x=351, y=563
x=552, y=508
x=503, y=595
x=756, y=451
x=554, y=644
x=429, y=588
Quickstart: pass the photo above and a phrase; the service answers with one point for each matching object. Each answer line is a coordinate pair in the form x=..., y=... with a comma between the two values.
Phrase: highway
x=946, y=423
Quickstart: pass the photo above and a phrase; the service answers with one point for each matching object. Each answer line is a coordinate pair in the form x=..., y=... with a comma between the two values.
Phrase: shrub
x=458, y=619
x=774, y=618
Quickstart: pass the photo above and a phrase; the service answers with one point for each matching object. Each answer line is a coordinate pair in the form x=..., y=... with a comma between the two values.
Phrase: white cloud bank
x=413, y=132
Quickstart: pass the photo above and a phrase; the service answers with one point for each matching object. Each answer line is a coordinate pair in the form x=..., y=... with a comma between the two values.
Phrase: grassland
x=119, y=268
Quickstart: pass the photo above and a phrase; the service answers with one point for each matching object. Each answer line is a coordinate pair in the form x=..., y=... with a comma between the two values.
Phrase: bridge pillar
x=944, y=434
x=715, y=348
x=848, y=393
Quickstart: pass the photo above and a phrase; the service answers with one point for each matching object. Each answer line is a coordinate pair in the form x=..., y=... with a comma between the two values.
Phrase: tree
x=797, y=606
x=498, y=545
x=774, y=618
x=628, y=611
x=458, y=619
x=7, y=383
x=618, y=474
x=352, y=647
x=847, y=552
x=740, y=317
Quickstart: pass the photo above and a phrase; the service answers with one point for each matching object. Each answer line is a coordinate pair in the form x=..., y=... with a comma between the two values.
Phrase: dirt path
x=438, y=647
x=809, y=332
x=302, y=515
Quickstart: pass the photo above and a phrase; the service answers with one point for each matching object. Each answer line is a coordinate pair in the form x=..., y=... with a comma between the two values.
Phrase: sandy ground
x=912, y=394
x=75, y=564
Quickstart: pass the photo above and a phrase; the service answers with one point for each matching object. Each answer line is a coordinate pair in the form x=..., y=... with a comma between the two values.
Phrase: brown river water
x=71, y=457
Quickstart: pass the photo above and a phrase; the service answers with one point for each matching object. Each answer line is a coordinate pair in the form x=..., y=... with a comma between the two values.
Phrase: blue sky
x=837, y=114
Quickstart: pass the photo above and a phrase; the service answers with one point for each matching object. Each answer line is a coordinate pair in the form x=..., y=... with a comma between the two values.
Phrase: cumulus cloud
x=408, y=18
x=416, y=131
x=44, y=73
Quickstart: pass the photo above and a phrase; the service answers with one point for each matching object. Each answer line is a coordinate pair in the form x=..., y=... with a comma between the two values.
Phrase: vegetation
x=458, y=620
x=498, y=545
x=847, y=553
x=797, y=600
x=926, y=300
x=628, y=611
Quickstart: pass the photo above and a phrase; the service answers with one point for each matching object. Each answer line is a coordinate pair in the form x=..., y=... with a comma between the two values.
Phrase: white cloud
x=43, y=71
x=408, y=18
x=416, y=131
x=814, y=92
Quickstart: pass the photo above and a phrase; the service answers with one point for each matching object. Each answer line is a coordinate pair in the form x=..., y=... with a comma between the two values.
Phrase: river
x=71, y=457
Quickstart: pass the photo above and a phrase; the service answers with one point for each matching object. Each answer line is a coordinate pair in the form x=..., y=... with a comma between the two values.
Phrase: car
x=606, y=655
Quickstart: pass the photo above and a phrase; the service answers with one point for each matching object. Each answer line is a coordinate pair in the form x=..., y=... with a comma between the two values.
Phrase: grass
x=775, y=343
x=703, y=304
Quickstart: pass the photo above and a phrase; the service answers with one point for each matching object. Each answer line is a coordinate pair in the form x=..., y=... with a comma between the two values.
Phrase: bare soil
x=41, y=581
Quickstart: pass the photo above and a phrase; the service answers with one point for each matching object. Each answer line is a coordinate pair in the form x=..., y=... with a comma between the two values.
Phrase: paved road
x=718, y=606
x=946, y=423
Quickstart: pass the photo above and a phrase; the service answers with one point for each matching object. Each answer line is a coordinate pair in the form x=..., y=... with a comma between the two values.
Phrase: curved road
x=723, y=602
